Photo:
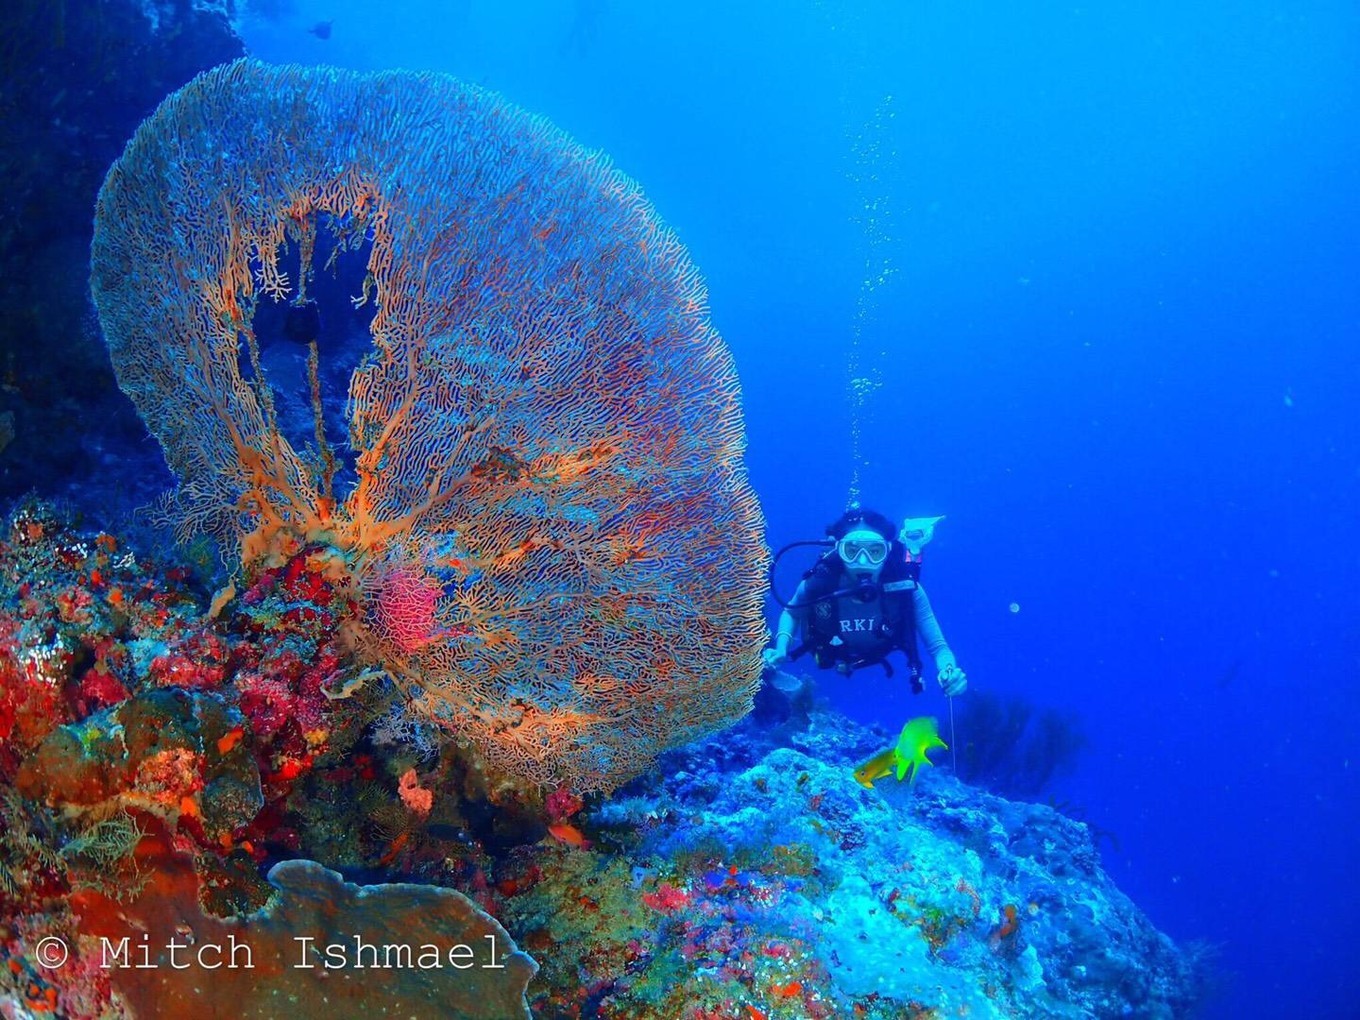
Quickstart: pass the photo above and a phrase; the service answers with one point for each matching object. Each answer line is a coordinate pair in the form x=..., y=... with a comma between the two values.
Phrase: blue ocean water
x=1094, y=269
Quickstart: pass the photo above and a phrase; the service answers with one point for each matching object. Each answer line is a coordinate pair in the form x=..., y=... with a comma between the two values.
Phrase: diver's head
x=863, y=552
x=863, y=541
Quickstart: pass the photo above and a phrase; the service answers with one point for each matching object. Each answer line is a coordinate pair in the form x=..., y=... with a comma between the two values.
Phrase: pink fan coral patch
x=405, y=608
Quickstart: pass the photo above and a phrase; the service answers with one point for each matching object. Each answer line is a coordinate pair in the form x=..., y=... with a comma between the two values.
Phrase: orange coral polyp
x=546, y=432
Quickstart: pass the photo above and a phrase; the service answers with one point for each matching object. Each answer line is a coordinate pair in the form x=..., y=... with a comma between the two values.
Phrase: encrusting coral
x=324, y=947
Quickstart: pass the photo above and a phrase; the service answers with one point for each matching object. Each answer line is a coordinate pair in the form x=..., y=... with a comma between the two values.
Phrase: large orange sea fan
x=545, y=437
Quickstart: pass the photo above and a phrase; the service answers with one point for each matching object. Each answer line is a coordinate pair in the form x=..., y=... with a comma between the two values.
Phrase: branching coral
x=106, y=842
x=550, y=522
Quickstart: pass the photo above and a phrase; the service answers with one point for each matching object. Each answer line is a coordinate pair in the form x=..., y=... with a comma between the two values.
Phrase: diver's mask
x=863, y=551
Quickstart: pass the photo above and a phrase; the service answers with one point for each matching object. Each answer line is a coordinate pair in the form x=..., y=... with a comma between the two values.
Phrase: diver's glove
x=776, y=656
x=953, y=680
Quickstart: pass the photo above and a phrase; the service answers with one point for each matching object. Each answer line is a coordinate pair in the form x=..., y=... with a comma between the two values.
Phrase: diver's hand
x=776, y=656
x=953, y=680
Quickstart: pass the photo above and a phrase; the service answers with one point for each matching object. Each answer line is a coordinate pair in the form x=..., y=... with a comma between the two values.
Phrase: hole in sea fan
x=335, y=308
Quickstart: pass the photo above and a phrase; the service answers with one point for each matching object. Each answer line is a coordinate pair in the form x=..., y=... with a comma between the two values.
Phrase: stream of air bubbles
x=872, y=154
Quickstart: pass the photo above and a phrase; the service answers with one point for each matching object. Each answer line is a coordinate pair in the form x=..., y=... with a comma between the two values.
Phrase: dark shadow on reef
x=78, y=76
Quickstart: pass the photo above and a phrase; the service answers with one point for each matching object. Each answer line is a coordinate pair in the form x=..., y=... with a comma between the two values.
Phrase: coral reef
x=755, y=880
x=162, y=750
x=549, y=525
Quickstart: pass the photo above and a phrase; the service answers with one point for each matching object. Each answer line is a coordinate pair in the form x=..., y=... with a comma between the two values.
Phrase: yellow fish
x=919, y=737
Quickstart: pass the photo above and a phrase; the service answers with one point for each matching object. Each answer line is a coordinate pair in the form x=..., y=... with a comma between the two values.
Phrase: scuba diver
x=863, y=599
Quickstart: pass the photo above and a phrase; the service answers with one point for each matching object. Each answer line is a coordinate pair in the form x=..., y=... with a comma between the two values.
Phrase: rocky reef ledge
x=754, y=877
x=181, y=770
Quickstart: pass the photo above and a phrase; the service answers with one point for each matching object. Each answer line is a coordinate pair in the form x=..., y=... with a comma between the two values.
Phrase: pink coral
x=667, y=898
x=404, y=606
x=417, y=799
x=562, y=804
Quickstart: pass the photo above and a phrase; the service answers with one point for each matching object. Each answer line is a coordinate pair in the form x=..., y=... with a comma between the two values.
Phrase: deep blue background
x=1116, y=344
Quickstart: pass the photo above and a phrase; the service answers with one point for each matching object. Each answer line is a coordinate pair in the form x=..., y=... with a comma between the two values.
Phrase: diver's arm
x=952, y=679
x=790, y=620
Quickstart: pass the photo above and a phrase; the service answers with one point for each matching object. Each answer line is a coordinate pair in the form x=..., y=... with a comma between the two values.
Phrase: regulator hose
x=824, y=543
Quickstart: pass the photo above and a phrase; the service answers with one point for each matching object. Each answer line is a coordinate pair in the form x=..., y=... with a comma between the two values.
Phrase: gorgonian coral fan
x=546, y=433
